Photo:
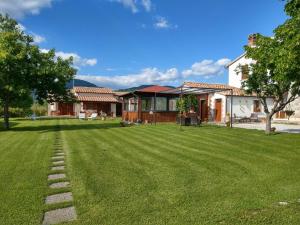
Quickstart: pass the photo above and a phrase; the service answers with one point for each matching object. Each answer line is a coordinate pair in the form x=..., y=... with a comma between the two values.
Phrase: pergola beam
x=184, y=90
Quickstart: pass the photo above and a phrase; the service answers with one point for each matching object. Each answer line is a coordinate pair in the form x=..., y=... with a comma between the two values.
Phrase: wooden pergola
x=185, y=90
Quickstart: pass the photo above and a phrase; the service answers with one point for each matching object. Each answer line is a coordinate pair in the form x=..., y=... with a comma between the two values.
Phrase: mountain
x=132, y=89
x=80, y=83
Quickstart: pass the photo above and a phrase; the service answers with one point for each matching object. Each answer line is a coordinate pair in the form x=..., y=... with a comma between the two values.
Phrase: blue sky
x=122, y=43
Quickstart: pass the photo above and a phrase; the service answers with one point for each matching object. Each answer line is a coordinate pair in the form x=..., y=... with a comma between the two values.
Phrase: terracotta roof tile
x=207, y=85
x=97, y=90
x=236, y=91
x=92, y=98
x=154, y=88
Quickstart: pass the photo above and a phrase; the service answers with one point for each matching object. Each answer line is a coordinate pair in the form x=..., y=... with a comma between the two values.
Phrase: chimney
x=252, y=40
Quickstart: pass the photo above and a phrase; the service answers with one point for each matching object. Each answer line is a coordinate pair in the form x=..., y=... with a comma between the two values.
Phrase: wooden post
x=155, y=108
x=231, y=101
x=180, y=109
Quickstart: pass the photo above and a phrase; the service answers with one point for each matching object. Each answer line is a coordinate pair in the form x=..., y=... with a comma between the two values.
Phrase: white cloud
x=163, y=23
x=78, y=61
x=133, y=5
x=206, y=68
x=146, y=76
x=20, y=8
x=147, y=5
x=37, y=39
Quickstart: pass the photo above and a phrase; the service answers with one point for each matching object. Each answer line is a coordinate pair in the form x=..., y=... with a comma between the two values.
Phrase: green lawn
x=152, y=174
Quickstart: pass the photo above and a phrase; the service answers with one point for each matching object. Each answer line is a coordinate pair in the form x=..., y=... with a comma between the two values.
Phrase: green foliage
x=187, y=103
x=276, y=68
x=25, y=69
x=39, y=109
x=17, y=112
x=292, y=7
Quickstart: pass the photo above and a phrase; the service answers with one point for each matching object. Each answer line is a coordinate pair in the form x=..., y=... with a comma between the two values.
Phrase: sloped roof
x=207, y=85
x=154, y=88
x=120, y=93
x=237, y=92
x=233, y=61
x=96, y=98
x=96, y=90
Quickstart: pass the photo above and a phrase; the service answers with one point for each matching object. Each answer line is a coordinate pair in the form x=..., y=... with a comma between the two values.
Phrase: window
x=147, y=104
x=130, y=105
x=172, y=104
x=133, y=106
x=256, y=106
x=245, y=72
x=161, y=104
x=126, y=105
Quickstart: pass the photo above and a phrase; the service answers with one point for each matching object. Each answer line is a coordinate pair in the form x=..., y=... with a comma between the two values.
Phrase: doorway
x=218, y=110
x=203, y=110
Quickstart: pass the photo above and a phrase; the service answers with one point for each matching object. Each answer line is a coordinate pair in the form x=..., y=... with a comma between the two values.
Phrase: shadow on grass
x=62, y=127
x=51, y=128
x=11, y=124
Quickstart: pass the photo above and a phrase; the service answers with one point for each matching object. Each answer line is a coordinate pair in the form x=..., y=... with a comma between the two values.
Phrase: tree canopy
x=275, y=71
x=25, y=69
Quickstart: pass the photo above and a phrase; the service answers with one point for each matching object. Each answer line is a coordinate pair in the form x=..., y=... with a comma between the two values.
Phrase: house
x=89, y=100
x=149, y=105
x=243, y=105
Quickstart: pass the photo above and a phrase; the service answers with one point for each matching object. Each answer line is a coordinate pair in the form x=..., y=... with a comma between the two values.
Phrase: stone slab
x=58, y=157
x=59, y=153
x=58, y=162
x=56, y=176
x=57, y=168
x=59, y=185
x=59, y=216
x=59, y=198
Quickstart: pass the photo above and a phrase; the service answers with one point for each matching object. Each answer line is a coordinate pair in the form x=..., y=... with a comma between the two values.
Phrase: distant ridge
x=132, y=89
x=80, y=83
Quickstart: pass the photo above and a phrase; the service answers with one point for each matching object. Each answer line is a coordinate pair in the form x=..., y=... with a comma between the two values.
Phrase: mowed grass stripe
x=235, y=145
x=23, y=172
x=206, y=153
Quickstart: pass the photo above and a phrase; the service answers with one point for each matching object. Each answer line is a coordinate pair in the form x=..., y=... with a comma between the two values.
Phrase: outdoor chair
x=93, y=116
x=254, y=117
x=81, y=116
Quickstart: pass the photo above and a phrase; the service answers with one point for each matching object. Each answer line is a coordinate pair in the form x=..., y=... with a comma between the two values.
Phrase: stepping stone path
x=56, y=176
x=57, y=168
x=58, y=162
x=59, y=153
x=58, y=157
x=59, y=215
x=59, y=198
x=59, y=185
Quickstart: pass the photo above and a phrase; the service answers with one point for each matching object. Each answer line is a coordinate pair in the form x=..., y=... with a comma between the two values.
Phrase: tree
x=187, y=103
x=275, y=71
x=25, y=70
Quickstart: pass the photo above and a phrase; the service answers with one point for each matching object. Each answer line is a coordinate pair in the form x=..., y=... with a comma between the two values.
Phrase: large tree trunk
x=6, y=115
x=268, y=123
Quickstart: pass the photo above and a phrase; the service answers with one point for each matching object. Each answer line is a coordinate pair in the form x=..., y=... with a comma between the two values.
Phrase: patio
x=286, y=128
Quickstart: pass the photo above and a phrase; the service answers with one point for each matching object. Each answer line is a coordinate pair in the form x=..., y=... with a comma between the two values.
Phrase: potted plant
x=185, y=105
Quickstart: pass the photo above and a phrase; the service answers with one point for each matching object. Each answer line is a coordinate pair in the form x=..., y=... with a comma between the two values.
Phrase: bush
x=17, y=112
x=39, y=110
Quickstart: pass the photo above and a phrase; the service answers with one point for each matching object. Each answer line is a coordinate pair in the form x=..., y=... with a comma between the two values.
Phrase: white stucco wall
x=211, y=100
x=295, y=105
x=235, y=79
x=241, y=107
x=244, y=106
